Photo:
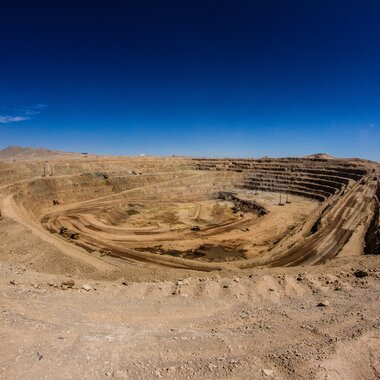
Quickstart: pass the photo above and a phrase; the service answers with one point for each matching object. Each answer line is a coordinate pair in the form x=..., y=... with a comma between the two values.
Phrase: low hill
x=27, y=153
x=323, y=156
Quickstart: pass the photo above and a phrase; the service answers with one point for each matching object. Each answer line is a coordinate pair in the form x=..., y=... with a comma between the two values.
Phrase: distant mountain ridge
x=25, y=153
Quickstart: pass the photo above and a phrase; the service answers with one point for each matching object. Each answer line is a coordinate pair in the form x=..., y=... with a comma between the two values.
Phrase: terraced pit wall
x=41, y=193
x=318, y=179
x=372, y=237
x=11, y=172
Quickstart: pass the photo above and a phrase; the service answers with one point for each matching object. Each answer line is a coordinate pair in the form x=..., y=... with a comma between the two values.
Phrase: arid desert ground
x=188, y=268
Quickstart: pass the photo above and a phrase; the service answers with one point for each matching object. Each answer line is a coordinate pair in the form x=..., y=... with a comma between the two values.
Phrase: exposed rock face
x=243, y=204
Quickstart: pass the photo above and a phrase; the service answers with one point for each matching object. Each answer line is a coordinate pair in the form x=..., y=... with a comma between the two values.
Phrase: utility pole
x=44, y=166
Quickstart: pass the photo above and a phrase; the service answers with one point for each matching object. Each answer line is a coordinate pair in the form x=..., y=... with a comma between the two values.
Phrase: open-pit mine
x=203, y=214
x=189, y=268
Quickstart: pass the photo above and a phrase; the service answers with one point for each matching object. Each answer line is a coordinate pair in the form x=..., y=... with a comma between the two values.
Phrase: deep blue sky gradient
x=213, y=78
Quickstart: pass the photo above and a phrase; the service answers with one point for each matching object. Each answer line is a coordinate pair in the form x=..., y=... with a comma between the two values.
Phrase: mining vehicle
x=63, y=231
x=70, y=234
x=74, y=235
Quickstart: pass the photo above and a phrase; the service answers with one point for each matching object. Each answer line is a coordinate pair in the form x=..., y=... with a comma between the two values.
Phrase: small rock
x=226, y=286
x=86, y=287
x=177, y=290
x=360, y=273
x=323, y=304
x=12, y=282
x=267, y=372
x=67, y=284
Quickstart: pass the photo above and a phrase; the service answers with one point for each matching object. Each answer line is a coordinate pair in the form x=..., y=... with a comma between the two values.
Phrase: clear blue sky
x=214, y=78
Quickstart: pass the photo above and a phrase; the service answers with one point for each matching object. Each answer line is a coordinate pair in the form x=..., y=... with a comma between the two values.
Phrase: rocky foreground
x=312, y=322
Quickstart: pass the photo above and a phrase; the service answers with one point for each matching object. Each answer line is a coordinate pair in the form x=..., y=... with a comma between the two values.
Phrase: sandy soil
x=300, y=323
